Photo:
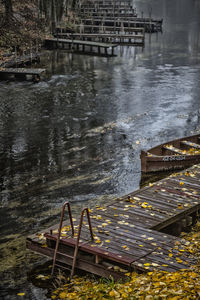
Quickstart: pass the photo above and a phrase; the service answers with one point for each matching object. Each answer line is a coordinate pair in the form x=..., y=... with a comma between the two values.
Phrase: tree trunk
x=54, y=16
x=8, y=9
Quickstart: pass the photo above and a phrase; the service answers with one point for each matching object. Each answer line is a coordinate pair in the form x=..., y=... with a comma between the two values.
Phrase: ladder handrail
x=78, y=237
x=59, y=231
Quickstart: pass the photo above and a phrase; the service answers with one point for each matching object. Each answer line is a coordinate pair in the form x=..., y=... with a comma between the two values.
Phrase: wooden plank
x=101, y=35
x=100, y=14
x=94, y=249
x=21, y=71
x=81, y=264
x=110, y=28
x=134, y=20
x=148, y=212
x=190, y=144
x=80, y=42
x=172, y=150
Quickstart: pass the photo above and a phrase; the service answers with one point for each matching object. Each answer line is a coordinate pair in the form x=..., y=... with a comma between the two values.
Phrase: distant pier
x=81, y=46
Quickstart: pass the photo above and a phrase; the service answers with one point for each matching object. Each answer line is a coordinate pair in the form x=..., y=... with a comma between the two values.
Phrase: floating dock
x=82, y=28
x=128, y=39
x=81, y=46
x=148, y=24
x=21, y=73
x=131, y=233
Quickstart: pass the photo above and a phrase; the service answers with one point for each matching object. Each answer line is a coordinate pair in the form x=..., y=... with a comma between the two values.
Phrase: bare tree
x=8, y=9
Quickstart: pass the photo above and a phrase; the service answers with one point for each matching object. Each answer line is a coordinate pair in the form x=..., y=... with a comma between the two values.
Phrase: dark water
x=78, y=134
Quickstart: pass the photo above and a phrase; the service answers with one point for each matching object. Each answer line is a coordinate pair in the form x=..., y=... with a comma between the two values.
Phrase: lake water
x=77, y=135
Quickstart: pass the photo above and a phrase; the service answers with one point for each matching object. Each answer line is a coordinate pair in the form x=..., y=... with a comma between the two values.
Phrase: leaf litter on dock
x=156, y=284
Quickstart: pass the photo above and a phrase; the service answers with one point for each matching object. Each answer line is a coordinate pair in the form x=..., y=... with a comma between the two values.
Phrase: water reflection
x=75, y=135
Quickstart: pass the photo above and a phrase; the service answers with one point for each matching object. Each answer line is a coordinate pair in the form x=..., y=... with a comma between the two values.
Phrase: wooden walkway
x=129, y=233
x=21, y=73
x=82, y=28
x=80, y=45
x=137, y=39
x=149, y=25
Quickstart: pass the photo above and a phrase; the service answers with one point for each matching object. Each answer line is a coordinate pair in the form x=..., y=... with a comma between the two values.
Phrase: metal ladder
x=78, y=236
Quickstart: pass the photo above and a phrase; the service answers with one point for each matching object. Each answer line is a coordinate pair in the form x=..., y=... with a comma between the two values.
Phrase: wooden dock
x=100, y=22
x=21, y=73
x=128, y=39
x=81, y=46
x=131, y=233
x=82, y=28
x=149, y=25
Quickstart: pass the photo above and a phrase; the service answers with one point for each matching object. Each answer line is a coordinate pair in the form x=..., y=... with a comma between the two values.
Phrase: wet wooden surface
x=80, y=42
x=106, y=37
x=23, y=71
x=126, y=230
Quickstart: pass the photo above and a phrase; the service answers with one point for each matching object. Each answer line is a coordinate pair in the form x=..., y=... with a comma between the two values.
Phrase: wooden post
x=15, y=56
x=31, y=53
x=143, y=161
x=150, y=23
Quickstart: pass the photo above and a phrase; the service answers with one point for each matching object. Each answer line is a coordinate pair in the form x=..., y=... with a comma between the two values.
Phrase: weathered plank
x=80, y=42
x=21, y=71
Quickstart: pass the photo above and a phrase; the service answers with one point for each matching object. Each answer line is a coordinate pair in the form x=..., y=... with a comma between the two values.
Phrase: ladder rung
x=63, y=267
x=65, y=255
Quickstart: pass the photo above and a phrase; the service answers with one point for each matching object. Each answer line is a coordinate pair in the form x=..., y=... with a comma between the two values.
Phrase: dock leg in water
x=36, y=78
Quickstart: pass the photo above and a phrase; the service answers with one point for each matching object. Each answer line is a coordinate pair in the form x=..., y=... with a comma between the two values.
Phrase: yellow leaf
x=97, y=241
x=40, y=276
x=63, y=295
x=20, y=294
x=181, y=183
x=104, y=224
x=112, y=293
x=155, y=265
x=124, y=295
x=150, y=273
